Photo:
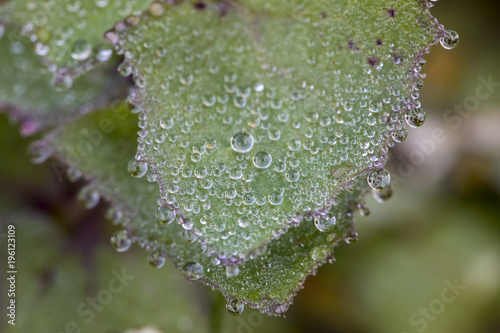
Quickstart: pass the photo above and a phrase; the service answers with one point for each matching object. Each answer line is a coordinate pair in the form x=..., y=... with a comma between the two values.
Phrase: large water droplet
x=326, y=223
x=194, y=271
x=165, y=214
x=235, y=307
x=379, y=179
x=137, y=169
x=156, y=259
x=242, y=142
x=416, y=117
x=120, y=241
x=262, y=160
x=449, y=40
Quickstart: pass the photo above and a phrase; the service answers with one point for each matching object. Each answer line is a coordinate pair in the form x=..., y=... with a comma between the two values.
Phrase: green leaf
x=98, y=146
x=56, y=291
x=262, y=111
x=67, y=33
x=27, y=93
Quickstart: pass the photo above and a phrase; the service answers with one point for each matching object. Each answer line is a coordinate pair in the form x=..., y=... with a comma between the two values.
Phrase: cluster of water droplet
x=67, y=32
x=238, y=151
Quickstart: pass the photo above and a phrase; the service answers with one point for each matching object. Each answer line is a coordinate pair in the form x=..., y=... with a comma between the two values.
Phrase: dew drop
x=383, y=195
x=379, y=179
x=156, y=8
x=188, y=237
x=186, y=79
x=166, y=123
x=242, y=142
x=125, y=69
x=280, y=167
x=449, y=40
x=292, y=175
x=111, y=36
x=320, y=252
x=243, y=221
x=235, y=307
x=81, y=50
x=240, y=101
x=137, y=169
x=400, y=135
x=89, y=196
x=104, y=53
x=275, y=198
x=200, y=172
x=294, y=144
x=156, y=259
x=258, y=87
x=209, y=100
x=232, y=271
x=326, y=223
x=416, y=117
x=165, y=214
x=235, y=173
x=120, y=241
x=62, y=83
x=114, y=215
x=274, y=134
x=194, y=271
x=73, y=174
x=39, y=153
x=262, y=160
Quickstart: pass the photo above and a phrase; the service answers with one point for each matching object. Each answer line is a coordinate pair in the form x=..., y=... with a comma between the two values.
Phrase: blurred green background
x=427, y=260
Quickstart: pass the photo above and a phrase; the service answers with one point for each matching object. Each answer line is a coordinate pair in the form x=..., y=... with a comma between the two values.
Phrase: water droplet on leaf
x=165, y=214
x=120, y=241
x=325, y=223
x=383, y=195
x=379, y=179
x=416, y=117
x=89, y=196
x=137, y=169
x=232, y=271
x=262, y=160
x=449, y=40
x=400, y=135
x=81, y=50
x=194, y=271
x=235, y=307
x=242, y=142
x=156, y=259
